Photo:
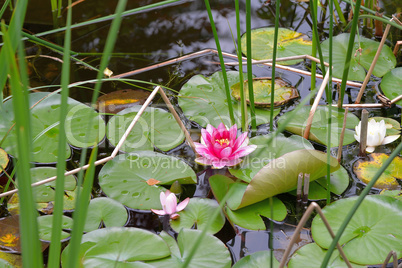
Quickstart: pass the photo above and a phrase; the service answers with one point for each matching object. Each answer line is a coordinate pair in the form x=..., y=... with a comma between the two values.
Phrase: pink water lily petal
x=171, y=203
x=182, y=204
x=225, y=153
x=159, y=212
x=245, y=150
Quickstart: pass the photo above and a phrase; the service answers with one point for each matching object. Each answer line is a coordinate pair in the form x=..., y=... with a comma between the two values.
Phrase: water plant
x=143, y=158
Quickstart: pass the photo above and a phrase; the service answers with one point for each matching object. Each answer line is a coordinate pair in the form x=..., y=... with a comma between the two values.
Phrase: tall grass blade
x=349, y=52
x=250, y=66
x=55, y=245
x=79, y=221
x=244, y=112
x=31, y=248
x=352, y=211
x=223, y=67
x=17, y=20
x=4, y=7
x=338, y=10
x=271, y=118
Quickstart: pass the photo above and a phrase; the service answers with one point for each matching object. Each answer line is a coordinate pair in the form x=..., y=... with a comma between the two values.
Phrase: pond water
x=168, y=32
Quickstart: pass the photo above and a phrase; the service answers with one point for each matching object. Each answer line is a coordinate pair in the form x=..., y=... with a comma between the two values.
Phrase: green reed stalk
x=271, y=117
x=56, y=5
x=349, y=52
x=31, y=253
x=15, y=28
x=382, y=19
x=4, y=7
x=223, y=67
x=80, y=216
x=244, y=112
x=329, y=100
x=314, y=54
x=55, y=245
x=339, y=11
x=356, y=205
x=250, y=66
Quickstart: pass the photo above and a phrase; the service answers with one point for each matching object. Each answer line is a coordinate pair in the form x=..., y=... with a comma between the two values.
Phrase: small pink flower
x=169, y=205
x=219, y=147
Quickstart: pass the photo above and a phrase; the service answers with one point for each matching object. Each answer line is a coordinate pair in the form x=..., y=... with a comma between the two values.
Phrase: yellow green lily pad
x=262, y=92
x=3, y=160
x=290, y=43
x=365, y=170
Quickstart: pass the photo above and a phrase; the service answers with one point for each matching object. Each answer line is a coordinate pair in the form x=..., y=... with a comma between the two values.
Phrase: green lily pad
x=393, y=126
x=359, y=63
x=203, y=100
x=393, y=193
x=391, y=84
x=45, y=127
x=210, y=253
x=266, y=152
x=125, y=178
x=279, y=176
x=372, y=232
x=4, y=160
x=339, y=181
x=155, y=128
x=9, y=260
x=312, y=255
x=365, y=170
x=121, y=246
x=290, y=43
x=197, y=213
x=262, y=92
x=248, y=217
x=45, y=224
x=257, y=260
x=318, y=131
x=105, y=212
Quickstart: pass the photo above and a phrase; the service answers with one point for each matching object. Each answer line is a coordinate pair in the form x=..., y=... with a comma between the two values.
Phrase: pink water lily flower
x=219, y=147
x=169, y=205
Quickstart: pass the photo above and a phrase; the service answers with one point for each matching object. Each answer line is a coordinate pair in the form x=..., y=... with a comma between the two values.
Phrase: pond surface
x=172, y=31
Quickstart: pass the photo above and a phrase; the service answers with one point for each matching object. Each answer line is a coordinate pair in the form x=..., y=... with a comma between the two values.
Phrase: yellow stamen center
x=223, y=142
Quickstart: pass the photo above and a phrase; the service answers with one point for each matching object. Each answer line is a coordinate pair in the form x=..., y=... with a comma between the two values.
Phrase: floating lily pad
x=9, y=260
x=45, y=127
x=197, y=214
x=391, y=84
x=339, y=181
x=393, y=126
x=3, y=160
x=119, y=246
x=119, y=100
x=257, y=260
x=203, y=100
x=318, y=131
x=393, y=193
x=312, y=255
x=125, y=178
x=372, y=232
x=248, y=217
x=266, y=152
x=280, y=175
x=211, y=251
x=45, y=224
x=365, y=170
x=360, y=62
x=155, y=128
x=105, y=212
x=290, y=43
x=262, y=92
x=10, y=235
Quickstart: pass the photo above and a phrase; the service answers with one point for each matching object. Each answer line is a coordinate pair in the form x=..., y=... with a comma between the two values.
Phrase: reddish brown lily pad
x=119, y=100
x=262, y=92
x=10, y=235
x=12, y=259
x=366, y=169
